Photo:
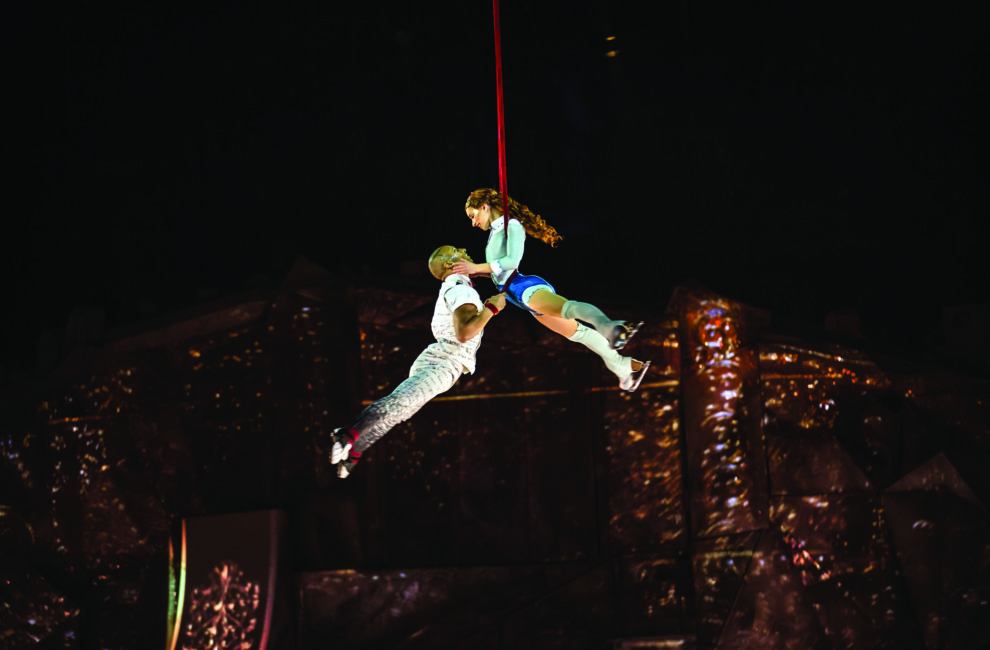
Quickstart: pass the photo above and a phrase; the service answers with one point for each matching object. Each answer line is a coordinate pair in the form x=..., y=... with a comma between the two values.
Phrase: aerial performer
x=459, y=319
x=484, y=207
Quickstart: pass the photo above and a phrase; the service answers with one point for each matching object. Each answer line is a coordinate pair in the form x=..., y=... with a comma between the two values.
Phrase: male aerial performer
x=458, y=320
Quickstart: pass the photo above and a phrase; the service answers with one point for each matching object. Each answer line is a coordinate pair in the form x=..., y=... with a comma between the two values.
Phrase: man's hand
x=498, y=300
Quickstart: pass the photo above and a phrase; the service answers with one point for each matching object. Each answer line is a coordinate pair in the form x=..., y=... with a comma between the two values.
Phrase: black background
x=803, y=159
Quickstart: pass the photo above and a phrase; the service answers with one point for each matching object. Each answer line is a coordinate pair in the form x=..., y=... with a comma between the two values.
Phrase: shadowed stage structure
x=757, y=491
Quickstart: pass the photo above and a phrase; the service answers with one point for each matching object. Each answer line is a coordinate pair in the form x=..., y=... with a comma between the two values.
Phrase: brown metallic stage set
x=756, y=491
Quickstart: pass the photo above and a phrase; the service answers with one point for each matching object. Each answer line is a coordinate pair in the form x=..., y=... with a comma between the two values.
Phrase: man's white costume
x=433, y=372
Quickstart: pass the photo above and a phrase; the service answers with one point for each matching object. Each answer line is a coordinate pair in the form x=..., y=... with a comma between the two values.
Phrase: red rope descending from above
x=503, y=185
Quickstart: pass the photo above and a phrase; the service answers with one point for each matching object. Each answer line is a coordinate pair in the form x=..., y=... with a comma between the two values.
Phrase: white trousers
x=430, y=375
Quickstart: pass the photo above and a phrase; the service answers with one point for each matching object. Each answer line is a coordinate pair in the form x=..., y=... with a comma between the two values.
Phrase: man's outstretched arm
x=468, y=322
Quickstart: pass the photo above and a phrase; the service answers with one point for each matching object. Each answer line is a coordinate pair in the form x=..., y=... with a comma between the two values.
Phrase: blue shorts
x=522, y=288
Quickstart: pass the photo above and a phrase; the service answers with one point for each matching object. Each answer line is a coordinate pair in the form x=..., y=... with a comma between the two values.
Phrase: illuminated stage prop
x=226, y=589
x=722, y=415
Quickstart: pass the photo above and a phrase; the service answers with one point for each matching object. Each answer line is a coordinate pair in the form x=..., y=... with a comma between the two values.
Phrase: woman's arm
x=514, y=249
x=509, y=261
x=472, y=269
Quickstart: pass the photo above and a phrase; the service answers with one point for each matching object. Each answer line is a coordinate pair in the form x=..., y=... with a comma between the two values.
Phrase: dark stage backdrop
x=755, y=487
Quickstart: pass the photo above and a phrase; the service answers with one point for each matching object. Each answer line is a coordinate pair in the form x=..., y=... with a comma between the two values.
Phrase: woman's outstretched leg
x=629, y=371
x=616, y=332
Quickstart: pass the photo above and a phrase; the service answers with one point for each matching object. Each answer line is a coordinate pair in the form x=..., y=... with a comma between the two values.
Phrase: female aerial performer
x=535, y=295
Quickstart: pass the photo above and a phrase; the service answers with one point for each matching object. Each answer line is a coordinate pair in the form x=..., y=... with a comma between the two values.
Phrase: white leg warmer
x=591, y=315
x=589, y=338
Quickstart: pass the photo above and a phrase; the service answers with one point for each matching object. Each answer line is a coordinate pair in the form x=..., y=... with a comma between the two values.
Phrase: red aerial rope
x=503, y=181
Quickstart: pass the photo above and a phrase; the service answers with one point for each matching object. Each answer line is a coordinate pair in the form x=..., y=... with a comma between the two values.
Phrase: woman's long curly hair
x=534, y=225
